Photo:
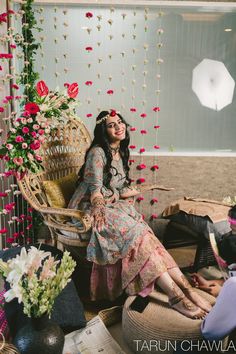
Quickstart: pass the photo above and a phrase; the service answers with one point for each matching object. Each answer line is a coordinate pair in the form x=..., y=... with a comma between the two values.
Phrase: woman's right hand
x=98, y=213
x=98, y=219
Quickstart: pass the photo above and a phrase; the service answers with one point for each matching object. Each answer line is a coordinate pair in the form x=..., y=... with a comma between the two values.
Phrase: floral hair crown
x=112, y=113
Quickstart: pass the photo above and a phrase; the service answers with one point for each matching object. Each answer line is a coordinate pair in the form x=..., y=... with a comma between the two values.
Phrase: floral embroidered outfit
x=125, y=253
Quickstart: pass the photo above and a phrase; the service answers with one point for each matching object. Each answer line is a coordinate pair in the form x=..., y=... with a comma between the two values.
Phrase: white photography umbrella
x=213, y=84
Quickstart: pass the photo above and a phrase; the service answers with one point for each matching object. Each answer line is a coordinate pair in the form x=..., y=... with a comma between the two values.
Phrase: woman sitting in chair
x=126, y=254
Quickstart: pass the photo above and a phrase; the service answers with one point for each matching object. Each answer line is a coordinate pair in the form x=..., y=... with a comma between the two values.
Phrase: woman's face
x=116, y=129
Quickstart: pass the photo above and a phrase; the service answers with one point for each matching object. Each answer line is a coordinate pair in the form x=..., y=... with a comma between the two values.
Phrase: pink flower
x=1, y=109
x=113, y=113
x=143, y=131
x=9, y=146
x=73, y=90
x=133, y=109
x=154, y=167
x=89, y=49
x=141, y=150
x=30, y=210
x=142, y=166
x=156, y=147
x=132, y=147
x=19, y=175
x=16, y=234
x=156, y=126
x=131, y=161
x=36, y=127
x=154, y=200
x=34, y=134
x=139, y=199
x=29, y=227
x=6, y=158
x=19, y=139
x=30, y=156
x=143, y=115
x=9, y=98
x=42, y=88
x=88, y=83
x=18, y=161
x=13, y=46
x=66, y=84
x=25, y=130
x=0, y=67
x=10, y=240
x=88, y=115
x=25, y=114
x=15, y=86
x=38, y=158
x=89, y=14
x=8, y=173
x=110, y=92
x=24, y=146
x=17, y=97
x=32, y=108
x=132, y=129
x=9, y=207
x=154, y=216
x=41, y=132
x=3, y=194
x=35, y=145
x=156, y=109
x=141, y=180
x=11, y=12
x=6, y=56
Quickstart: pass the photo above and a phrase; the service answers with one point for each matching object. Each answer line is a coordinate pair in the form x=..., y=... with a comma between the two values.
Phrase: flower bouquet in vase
x=36, y=279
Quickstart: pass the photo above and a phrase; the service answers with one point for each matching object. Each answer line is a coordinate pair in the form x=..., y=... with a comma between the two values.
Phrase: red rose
x=73, y=90
x=35, y=145
x=25, y=130
x=42, y=89
x=110, y=92
x=88, y=83
x=89, y=14
x=89, y=49
x=32, y=108
x=113, y=113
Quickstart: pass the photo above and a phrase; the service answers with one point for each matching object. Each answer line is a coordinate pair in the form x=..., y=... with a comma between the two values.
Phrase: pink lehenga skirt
x=136, y=273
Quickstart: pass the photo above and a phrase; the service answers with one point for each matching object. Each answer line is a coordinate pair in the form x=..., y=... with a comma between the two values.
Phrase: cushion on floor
x=159, y=325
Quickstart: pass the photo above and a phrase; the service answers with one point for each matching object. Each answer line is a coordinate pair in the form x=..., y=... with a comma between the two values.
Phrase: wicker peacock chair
x=63, y=153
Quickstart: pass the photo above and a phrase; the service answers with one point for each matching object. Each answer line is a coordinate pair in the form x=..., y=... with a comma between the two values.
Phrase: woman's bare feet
x=186, y=307
x=197, y=299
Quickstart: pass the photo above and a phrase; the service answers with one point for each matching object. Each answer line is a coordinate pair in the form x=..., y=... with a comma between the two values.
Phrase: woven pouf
x=159, y=328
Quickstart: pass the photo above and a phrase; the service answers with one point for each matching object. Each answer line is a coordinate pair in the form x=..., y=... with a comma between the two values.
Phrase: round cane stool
x=159, y=328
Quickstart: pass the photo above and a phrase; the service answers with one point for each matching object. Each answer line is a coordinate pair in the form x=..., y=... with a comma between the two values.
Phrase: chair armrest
x=78, y=214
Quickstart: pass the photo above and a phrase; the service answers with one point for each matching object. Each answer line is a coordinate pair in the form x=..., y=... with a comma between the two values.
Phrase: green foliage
x=29, y=47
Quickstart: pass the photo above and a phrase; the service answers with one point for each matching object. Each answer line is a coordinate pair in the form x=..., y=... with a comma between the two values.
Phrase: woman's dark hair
x=101, y=140
x=232, y=212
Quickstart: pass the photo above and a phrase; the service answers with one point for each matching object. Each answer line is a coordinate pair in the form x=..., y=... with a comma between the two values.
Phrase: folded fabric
x=200, y=207
x=67, y=311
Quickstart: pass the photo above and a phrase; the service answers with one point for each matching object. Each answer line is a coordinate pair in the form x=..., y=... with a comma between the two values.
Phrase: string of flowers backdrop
x=104, y=84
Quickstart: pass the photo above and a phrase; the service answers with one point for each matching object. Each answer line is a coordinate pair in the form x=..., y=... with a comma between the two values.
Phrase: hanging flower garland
x=49, y=110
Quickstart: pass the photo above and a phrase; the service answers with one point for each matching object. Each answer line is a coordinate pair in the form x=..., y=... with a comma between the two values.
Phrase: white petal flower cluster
x=36, y=279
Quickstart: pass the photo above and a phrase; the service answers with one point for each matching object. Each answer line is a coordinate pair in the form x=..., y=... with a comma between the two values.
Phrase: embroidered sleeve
x=93, y=174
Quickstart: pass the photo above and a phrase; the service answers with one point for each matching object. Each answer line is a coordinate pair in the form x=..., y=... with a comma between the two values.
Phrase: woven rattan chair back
x=62, y=153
